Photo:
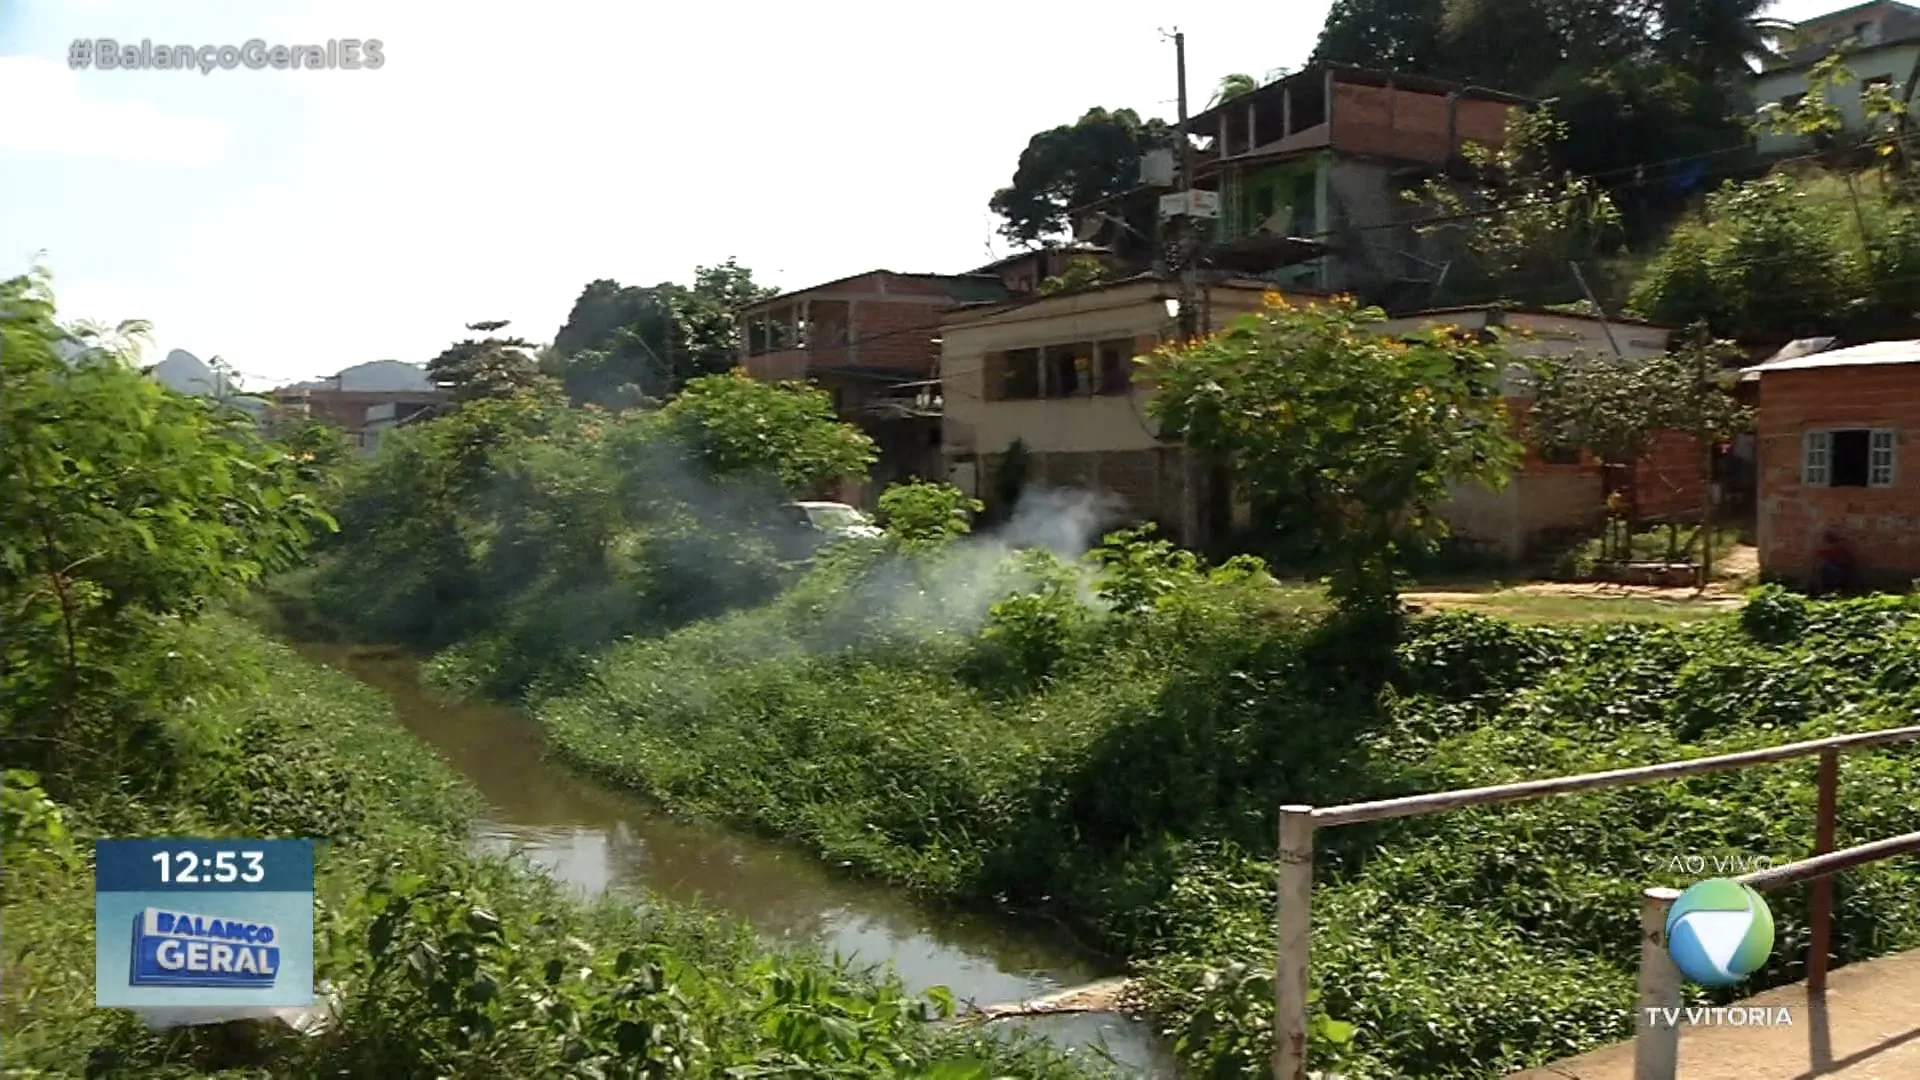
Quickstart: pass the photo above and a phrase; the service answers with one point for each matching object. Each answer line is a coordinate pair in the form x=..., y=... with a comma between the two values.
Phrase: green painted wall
x=1264, y=191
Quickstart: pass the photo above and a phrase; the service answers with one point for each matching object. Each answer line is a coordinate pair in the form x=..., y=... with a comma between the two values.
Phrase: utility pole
x=1187, y=233
x=1186, y=247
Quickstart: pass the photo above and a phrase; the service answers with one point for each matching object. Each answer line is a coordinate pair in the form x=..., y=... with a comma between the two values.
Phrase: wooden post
x=1656, y=1043
x=1293, y=924
x=1820, y=910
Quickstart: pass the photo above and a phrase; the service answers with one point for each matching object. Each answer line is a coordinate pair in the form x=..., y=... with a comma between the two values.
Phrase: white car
x=836, y=520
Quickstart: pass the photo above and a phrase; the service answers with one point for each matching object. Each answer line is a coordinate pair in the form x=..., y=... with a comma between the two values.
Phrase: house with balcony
x=1307, y=177
x=1881, y=43
x=870, y=341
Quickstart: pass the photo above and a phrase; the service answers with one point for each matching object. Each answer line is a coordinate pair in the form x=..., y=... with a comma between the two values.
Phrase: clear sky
x=297, y=222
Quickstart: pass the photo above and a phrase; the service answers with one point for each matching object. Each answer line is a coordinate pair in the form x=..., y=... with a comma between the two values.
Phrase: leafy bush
x=123, y=508
x=1775, y=616
x=921, y=513
x=548, y=531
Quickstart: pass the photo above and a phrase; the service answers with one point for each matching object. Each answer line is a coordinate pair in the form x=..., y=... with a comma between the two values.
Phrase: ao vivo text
x=1721, y=865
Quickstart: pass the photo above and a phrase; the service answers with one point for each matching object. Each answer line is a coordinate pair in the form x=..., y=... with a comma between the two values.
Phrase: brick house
x=1309, y=172
x=1835, y=446
x=871, y=341
x=362, y=399
x=1055, y=374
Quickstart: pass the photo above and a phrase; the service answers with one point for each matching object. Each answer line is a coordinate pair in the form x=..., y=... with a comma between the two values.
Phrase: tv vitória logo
x=1719, y=932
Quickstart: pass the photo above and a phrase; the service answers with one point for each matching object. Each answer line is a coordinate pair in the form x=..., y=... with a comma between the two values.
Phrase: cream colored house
x=1056, y=375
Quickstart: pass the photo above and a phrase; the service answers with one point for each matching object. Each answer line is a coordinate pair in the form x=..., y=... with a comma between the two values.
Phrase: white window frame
x=1816, y=456
x=1881, y=456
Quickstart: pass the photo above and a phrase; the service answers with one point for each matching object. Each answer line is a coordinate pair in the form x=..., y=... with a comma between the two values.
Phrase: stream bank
x=598, y=839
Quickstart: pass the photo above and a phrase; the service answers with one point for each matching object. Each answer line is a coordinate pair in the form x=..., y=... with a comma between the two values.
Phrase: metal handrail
x=1656, y=1046
x=1293, y=919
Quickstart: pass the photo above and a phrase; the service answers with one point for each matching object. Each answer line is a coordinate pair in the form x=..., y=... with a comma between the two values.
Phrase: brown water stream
x=599, y=838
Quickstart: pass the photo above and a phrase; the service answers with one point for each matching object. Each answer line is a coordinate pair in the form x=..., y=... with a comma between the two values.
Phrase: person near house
x=1833, y=563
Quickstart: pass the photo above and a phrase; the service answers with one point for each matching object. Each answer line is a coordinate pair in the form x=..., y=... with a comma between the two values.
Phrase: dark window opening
x=1309, y=104
x=1850, y=458
x=1269, y=121
x=1262, y=206
x=1116, y=366
x=1069, y=369
x=1021, y=379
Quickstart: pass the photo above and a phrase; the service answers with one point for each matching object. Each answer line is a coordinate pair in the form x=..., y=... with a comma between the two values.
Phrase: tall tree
x=1400, y=35
x=1096, y=157
x=1716, y=38
x=622, y=344
x=1349, y=435
x=124, y=507
x=485, y=367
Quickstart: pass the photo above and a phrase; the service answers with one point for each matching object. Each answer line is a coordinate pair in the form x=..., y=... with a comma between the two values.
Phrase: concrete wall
x=1881, y=525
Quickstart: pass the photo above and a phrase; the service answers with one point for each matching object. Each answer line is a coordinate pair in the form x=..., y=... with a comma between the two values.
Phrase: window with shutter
x=1816, y=449
x=1880, y=458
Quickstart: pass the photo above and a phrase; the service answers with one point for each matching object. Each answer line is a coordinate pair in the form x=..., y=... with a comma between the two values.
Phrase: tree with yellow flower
x=1351, y=437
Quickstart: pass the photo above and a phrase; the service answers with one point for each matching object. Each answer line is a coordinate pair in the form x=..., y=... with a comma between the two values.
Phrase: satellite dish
x=1087, y=230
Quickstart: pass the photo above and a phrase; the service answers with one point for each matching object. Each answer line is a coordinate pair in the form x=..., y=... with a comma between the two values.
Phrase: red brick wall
x=347, y=409
x=1409, y=124
x=1881, y=525
x=1670, y=482
x=1481, y=121
x=897, y=335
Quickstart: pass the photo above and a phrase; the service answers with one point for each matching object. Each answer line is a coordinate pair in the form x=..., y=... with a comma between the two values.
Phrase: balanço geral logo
x=1719, y=932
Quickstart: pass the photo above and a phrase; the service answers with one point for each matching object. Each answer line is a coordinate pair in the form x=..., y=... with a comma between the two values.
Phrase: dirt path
x=1716, y=595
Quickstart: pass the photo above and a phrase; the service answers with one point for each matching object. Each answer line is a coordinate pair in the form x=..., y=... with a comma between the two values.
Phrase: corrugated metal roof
x=1874, y=352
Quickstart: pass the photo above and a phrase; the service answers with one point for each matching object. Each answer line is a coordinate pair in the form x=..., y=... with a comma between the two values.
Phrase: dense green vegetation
x=533, y=533
x=133, y=706
x=1105, y=739
x=1117, y=763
